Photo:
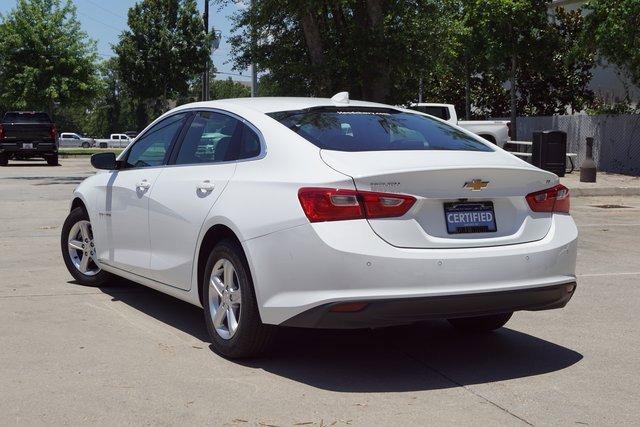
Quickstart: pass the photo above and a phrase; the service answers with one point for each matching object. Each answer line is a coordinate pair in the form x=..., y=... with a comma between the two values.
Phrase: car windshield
x=27, y=117
x=364, y=129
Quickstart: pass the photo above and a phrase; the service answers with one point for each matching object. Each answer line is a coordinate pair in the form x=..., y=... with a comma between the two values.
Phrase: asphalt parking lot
x=129, y=355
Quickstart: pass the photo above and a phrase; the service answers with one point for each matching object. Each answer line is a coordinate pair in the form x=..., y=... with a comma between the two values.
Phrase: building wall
x=608, y=82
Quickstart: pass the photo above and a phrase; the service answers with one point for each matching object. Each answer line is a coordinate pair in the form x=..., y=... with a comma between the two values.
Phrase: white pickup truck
x=116, y=140
x=494, y=131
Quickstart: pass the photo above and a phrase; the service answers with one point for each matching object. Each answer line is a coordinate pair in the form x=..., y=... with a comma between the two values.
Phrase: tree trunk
x=514, y=104
x=376, y=70
x=313, y=40
x=467, y=90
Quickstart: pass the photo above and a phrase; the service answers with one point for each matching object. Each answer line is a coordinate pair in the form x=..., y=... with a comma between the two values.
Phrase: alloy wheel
x=225, y=298
x=82, y=250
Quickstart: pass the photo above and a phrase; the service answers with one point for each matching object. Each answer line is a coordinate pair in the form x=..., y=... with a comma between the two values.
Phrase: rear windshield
x=26, y=117
x=343, y=129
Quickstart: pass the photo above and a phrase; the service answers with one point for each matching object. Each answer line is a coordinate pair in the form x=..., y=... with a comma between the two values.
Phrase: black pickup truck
x=26, y=135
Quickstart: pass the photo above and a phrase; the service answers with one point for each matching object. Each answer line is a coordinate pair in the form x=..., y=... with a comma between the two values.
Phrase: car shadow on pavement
x=425, y=356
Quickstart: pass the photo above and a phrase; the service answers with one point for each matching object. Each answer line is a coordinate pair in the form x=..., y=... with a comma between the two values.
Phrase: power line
x=105, y=9
x=100, y=22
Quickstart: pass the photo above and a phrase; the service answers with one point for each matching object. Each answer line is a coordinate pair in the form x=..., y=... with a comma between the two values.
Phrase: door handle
x=206, y=185
x=143, y=184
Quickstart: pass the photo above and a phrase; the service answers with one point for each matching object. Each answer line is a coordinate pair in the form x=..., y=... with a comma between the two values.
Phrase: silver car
x=68, y=139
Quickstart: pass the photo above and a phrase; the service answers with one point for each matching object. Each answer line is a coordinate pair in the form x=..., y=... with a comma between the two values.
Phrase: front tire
x=481, y=324
x=78, y=250
x=230, y=307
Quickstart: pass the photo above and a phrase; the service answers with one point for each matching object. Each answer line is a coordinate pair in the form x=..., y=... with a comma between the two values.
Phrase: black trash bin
x=549, y=151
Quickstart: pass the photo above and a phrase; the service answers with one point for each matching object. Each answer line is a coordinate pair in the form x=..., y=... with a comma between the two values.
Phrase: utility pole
x=420, y=91
x=254, y=75
x=205, y=75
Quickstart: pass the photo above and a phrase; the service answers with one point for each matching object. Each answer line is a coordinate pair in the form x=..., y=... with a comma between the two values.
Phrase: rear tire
x=481, y=323
x=85, y=145
x=52, y=160
x=76, y=241
x=4, y=159
x=237, y=331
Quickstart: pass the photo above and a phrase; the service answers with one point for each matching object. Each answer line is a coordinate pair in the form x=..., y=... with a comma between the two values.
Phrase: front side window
x=210, y=139
x=152, y=148
x=376, y=129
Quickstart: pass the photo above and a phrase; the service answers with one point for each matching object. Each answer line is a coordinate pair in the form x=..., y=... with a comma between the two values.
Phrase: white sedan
x=323, y=213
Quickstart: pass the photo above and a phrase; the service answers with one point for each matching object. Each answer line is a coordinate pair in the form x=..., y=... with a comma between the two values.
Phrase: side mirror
x=104, y=161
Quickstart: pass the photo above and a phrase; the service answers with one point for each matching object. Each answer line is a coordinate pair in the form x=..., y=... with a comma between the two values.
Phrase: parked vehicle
x=116, y=140
x=69, y=139
x=494, y=131
x=323, y=213
x=119, y=140
x=27, y=135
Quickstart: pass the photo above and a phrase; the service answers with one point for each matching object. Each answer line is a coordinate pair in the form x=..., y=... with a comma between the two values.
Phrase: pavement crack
x=466, y=388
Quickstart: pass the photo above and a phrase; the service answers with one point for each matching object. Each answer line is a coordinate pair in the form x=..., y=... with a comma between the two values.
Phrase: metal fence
x=616, y=146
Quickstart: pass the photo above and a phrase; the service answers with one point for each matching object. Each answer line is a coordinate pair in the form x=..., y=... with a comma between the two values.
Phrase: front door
x=124, y=205
x=186, y=190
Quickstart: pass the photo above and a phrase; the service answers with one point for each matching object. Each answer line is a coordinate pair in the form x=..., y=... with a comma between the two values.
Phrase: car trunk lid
x=449, y=178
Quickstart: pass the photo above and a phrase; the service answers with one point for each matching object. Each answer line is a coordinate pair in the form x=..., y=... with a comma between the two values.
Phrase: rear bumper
x=312, y=265
x=15, y=149
x=378, y=313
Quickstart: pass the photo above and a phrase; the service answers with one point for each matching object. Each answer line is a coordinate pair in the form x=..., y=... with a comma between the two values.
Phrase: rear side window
x=376, y=130
x=26, y=117
x=210, y=139
x=249, y=143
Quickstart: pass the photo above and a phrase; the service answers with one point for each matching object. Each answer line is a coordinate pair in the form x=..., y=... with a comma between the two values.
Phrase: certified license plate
x=470, y=217
x=27, y=145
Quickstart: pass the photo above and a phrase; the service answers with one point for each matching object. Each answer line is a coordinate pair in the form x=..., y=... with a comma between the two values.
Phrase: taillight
x=1, y=132
x=330, y=204
x=54, y=132
x=554, y=199
x=510, y=132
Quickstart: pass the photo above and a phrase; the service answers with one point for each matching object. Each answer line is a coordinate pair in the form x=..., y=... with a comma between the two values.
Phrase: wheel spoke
x=84, y=231
x=236, y=296
x=76, y=244
x=84, y=263
x=221, y=313
x=216, y=284
x=232, y=322
x=228, y=274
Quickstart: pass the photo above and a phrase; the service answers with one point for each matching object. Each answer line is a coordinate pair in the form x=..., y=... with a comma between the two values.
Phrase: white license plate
x=28, y=145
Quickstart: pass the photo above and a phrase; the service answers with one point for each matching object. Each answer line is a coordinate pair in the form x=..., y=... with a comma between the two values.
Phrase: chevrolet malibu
x=323, y=213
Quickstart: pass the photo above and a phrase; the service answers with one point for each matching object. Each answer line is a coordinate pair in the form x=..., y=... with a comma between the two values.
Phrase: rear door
x=185, y=191
x=123, y=204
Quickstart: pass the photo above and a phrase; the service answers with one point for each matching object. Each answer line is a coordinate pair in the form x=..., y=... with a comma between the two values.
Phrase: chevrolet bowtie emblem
x=476, y=185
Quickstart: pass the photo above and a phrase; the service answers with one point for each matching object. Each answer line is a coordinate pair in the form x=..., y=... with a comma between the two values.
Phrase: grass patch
x=88, y=151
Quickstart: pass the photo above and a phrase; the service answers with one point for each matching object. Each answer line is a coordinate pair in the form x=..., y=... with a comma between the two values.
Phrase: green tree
x=45, y=57
x=161, y=54
x=613, y=31
x=375, y=49
x=222, y=89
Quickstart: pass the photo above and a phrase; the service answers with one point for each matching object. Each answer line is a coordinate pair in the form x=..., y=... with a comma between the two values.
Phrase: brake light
x=1, y=132
x=330, y=204
x=509, y=130
x=554, y=199
x=54, y=132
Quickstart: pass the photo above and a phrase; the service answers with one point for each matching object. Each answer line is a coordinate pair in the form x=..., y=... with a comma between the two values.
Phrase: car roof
x=274, y=104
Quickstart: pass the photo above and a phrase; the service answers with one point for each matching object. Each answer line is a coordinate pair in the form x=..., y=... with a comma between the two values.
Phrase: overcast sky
x=104, y=20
